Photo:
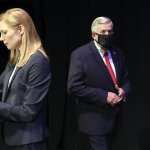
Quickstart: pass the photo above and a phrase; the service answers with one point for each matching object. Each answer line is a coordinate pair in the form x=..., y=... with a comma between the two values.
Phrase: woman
x=23, y=84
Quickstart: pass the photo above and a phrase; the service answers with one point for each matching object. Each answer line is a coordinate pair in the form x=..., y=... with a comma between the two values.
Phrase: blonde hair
x=99, y=20
x=30, y=41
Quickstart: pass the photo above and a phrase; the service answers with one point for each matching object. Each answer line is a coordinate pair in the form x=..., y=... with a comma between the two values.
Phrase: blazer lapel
x=96, y=54
x=100, y=61
x=6, y=88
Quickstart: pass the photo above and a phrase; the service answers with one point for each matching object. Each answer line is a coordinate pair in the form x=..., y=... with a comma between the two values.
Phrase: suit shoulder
x=38, y=60
x=117, y=50
x=38, y=57
x=82, y=50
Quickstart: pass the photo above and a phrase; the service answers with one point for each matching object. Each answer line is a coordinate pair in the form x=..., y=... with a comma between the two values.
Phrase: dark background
x=65, y=25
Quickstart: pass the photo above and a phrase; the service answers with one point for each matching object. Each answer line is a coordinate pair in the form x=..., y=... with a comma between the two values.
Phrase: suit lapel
x=100, y=62
x=6, y=88
x=13, y=77
x=96, y=54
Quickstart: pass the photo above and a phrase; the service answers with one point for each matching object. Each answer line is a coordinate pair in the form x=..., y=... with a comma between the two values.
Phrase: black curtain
x=65, y=25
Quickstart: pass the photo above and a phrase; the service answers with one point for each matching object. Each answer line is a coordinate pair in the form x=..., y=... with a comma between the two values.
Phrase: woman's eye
x=5, y=32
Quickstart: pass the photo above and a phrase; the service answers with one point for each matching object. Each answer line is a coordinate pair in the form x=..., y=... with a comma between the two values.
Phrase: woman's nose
x=1, y=37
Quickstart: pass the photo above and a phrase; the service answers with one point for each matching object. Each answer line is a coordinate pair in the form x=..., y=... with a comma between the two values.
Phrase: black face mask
x=105, y=40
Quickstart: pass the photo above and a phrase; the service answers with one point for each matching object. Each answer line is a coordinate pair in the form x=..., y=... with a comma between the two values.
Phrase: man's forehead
x=105, y=26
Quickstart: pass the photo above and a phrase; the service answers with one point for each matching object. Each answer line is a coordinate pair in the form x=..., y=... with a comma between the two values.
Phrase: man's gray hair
x=99, y=20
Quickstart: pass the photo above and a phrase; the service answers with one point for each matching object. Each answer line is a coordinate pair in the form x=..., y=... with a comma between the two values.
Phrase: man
x=98, y=81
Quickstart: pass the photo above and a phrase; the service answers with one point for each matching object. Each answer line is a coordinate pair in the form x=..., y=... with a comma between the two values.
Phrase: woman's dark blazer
x=23, y=104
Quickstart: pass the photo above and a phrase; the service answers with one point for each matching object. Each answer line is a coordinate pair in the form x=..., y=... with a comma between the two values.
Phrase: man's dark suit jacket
x=23, y=105
x=89, y=82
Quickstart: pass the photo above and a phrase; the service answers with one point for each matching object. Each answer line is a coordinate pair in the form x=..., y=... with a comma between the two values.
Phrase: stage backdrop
x=65, y=25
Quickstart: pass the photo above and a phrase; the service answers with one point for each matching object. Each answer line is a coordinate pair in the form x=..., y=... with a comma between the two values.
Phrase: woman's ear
x=21, y=29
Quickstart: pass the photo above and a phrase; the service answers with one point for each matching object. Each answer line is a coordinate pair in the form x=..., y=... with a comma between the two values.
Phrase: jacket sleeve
x=77, y=85
x=37, y=88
